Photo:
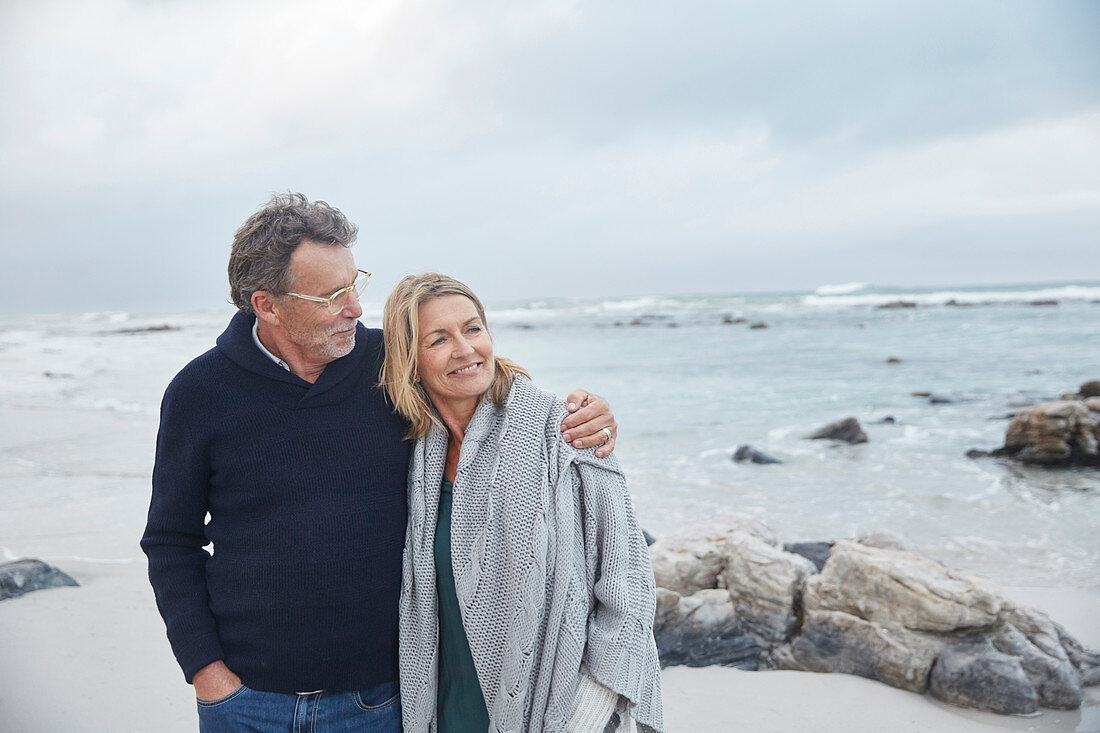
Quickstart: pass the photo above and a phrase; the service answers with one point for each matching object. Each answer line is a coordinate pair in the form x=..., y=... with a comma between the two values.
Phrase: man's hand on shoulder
x=215, y=681
x=590, y=422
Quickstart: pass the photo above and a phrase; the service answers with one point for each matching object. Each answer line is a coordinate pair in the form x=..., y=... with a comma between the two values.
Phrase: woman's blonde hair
x=401, y=334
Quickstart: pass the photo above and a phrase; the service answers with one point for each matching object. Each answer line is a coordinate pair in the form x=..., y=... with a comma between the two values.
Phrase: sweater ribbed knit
x=305, y=489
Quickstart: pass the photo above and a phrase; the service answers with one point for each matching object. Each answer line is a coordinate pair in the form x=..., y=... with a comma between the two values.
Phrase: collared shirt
x=259, y=344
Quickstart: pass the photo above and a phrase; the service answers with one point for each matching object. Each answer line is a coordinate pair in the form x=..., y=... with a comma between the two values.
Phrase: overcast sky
x=550, y=148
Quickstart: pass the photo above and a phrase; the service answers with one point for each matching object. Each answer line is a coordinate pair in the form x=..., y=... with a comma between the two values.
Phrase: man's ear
x=266, y=306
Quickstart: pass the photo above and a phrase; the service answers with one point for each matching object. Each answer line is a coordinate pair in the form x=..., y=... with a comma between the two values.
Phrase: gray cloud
x=615, y=148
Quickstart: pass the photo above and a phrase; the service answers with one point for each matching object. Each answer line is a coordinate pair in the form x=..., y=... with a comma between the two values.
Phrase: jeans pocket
x=222, y=700
x=377, y=697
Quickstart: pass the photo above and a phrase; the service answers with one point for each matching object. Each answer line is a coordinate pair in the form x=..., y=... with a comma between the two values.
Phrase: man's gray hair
x=260, y=257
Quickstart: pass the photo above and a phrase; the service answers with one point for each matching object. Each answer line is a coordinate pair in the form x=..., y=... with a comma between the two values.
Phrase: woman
x=540, y=617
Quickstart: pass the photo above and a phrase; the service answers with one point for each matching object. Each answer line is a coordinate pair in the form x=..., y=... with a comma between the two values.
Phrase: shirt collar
x=263, y=349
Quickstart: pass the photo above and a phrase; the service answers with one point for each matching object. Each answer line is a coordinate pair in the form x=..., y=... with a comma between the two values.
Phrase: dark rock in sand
x=1043, y=302
x=759, y=324
x=702, y=629
x=748, y=453
x=975, y=675
x=847, y=430
x=899, y=304
x=24, y=576
x=815, y=552
x=893, y=360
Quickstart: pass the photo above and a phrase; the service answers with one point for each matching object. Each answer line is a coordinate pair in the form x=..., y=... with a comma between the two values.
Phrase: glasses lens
x=361, y=283
x=337, y=302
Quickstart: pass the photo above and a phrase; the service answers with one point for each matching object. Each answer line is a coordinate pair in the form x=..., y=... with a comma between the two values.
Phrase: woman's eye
x=438, y=341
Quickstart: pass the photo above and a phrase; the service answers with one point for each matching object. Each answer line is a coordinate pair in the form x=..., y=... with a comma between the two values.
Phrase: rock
x=1053, y=677
x=888, y=420
x=765, y=585
x=702, y=629
x=973, y=674
x=893, y=360
x=1063, y=432
x=748, y=453
x=1043, y=302
x=977, y=453
x=1090, y=389
x=692, y=558
x=146, y=329
x=903, y=589
x=729, y=319
x=921, y=394
x=24, y=576
x=847, y=430
x=637, y=322
x=883, y=539
x=937, y=400
x=759, y=324
x=1093, y=403
x=899, y=304
x=815, y=552
x=833, y=641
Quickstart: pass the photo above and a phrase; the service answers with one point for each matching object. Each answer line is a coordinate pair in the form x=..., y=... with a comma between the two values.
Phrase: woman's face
x=455, y=352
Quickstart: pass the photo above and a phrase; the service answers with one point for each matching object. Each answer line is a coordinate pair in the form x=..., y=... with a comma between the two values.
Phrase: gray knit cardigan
x=551, y=570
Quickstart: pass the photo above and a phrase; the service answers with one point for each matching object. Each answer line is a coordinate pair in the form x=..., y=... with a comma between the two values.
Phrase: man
x=282, y=438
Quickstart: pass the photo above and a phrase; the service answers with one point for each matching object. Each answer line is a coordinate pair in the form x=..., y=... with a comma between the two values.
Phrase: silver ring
x=607, y=432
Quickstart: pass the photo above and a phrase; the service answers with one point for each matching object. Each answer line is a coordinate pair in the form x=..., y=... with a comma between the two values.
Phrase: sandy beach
x=95, y=658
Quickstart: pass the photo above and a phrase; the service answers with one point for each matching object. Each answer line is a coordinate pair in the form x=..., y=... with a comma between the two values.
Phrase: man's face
x=320, y=270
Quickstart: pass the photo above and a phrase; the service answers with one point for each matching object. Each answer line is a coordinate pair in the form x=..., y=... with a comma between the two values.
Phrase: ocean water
x=689, y=381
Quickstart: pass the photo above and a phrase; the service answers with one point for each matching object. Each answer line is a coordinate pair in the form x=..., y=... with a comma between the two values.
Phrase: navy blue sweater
x=305, y=488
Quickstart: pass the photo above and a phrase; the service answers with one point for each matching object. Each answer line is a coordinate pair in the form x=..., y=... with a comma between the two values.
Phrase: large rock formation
x=729, y=594
x=847, y=430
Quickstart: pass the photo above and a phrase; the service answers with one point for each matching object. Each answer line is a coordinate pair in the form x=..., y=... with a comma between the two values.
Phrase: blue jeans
x=377, y=710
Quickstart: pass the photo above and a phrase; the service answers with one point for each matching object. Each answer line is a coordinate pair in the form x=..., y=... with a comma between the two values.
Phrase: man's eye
x=475, y=329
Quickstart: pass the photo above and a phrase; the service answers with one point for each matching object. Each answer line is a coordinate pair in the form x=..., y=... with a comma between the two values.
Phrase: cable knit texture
x=551, y=570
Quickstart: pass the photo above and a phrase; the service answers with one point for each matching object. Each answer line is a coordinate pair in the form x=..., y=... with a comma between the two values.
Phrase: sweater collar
x=237, y=344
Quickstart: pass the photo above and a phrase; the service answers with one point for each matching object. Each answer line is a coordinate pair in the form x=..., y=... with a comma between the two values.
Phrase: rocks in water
x=883, y=539
x=146, y=329
x=1089, y=389
x=729, y=319
x=1043, y=302
x=893, y=360
x=24, y=576
x=921, y=394
x=758, y=324
x=748, y=453
x=899, y=304
x=1064, y=432
x=847, y=430
x=937, y=400
x=888, y=420
x=885, y=614
x=978, y=453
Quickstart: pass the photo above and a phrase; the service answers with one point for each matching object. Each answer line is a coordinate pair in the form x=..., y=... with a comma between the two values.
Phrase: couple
x=497, y=552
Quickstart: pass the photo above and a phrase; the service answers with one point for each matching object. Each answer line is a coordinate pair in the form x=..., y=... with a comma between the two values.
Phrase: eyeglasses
x=339, y=299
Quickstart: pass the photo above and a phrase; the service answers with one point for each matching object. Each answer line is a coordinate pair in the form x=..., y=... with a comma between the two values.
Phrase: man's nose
x=352, y=309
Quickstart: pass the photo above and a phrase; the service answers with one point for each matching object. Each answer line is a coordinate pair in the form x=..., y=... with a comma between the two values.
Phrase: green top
x=460, y=706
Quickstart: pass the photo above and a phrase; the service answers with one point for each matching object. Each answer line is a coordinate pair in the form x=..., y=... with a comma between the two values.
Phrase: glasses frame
x=330, y=300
